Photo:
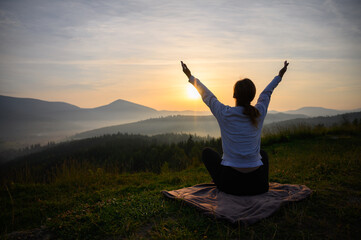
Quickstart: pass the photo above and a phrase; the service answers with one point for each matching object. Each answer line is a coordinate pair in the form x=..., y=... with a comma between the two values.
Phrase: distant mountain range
x=28, y=120
x=25, y=121
x=319, y=111
x=201, y=125
x=326, y=121
x=208, y=126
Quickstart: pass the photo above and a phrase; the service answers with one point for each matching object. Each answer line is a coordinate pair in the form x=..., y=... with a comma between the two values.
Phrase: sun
x=192, y=92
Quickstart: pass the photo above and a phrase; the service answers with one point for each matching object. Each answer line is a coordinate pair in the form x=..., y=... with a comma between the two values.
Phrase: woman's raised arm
x=207, y=96
x=265, y=97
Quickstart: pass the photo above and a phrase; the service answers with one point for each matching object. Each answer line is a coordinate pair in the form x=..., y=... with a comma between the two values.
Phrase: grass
x=93, y=204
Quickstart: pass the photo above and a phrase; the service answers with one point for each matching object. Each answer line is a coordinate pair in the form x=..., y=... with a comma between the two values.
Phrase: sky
x=91, y=53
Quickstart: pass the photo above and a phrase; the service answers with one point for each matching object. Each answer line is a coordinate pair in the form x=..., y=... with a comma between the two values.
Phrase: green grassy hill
x=88, y=200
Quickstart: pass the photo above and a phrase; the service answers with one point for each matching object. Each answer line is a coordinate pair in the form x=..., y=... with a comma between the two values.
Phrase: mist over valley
x=26, y=121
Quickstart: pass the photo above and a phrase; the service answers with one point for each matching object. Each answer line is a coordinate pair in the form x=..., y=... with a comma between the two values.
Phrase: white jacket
x=241, y=141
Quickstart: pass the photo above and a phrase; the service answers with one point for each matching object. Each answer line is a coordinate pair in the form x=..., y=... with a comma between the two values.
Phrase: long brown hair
x=244, y=92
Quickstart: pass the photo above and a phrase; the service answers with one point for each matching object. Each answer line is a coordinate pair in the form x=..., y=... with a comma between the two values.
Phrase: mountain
x=208, y=126
x=200, y=125
x=276, y=117
x=185, y=113
x=123, y=105
x=26, y=120
x=28, y=109
x=319, y=111
x=326, y=121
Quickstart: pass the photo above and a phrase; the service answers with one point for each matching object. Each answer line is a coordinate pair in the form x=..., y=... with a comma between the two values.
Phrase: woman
x=243, y=168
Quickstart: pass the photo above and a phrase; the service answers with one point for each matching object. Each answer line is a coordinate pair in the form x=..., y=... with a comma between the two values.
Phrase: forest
x=116, y=153
x=130, y=153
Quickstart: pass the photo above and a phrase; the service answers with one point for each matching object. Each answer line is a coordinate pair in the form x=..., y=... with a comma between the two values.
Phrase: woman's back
x=241, y=138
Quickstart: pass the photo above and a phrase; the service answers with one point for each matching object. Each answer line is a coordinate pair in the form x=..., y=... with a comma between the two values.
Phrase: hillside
x=31, y=121
x=88, y=195
x=320, y=111
x=200, y=125
x=207, y=125
x=26, y=121
x=346, y=118
x=32, y=110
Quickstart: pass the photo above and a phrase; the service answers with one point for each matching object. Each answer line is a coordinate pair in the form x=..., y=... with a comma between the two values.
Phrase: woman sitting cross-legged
x=243, y=168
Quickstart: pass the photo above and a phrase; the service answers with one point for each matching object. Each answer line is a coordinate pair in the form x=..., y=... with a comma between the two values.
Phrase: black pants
x=231, y=181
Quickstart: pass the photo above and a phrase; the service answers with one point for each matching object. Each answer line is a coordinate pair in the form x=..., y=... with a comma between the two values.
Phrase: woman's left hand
x=186, y=70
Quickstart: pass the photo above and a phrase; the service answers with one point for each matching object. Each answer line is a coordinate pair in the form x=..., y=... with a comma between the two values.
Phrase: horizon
x=357, y=108
x=132, y=50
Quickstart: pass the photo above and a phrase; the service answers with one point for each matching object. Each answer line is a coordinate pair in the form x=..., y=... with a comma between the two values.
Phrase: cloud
x=143, y=30
x=78, y=43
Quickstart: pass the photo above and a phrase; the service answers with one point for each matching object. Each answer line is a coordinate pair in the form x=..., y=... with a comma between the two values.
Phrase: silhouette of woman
x=243, y=168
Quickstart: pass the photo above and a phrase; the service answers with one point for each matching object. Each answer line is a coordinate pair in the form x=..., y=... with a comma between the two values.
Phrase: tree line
x=113, y=153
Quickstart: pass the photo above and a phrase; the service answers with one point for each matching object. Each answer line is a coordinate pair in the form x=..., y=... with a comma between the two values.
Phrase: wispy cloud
x=99, y=41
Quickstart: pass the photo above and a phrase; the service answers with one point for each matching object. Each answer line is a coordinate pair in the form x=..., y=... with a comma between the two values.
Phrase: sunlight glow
x=192, y=92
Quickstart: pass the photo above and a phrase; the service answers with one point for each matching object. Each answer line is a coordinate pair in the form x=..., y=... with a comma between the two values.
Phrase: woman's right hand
x=186, y=70
x=284, y=69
